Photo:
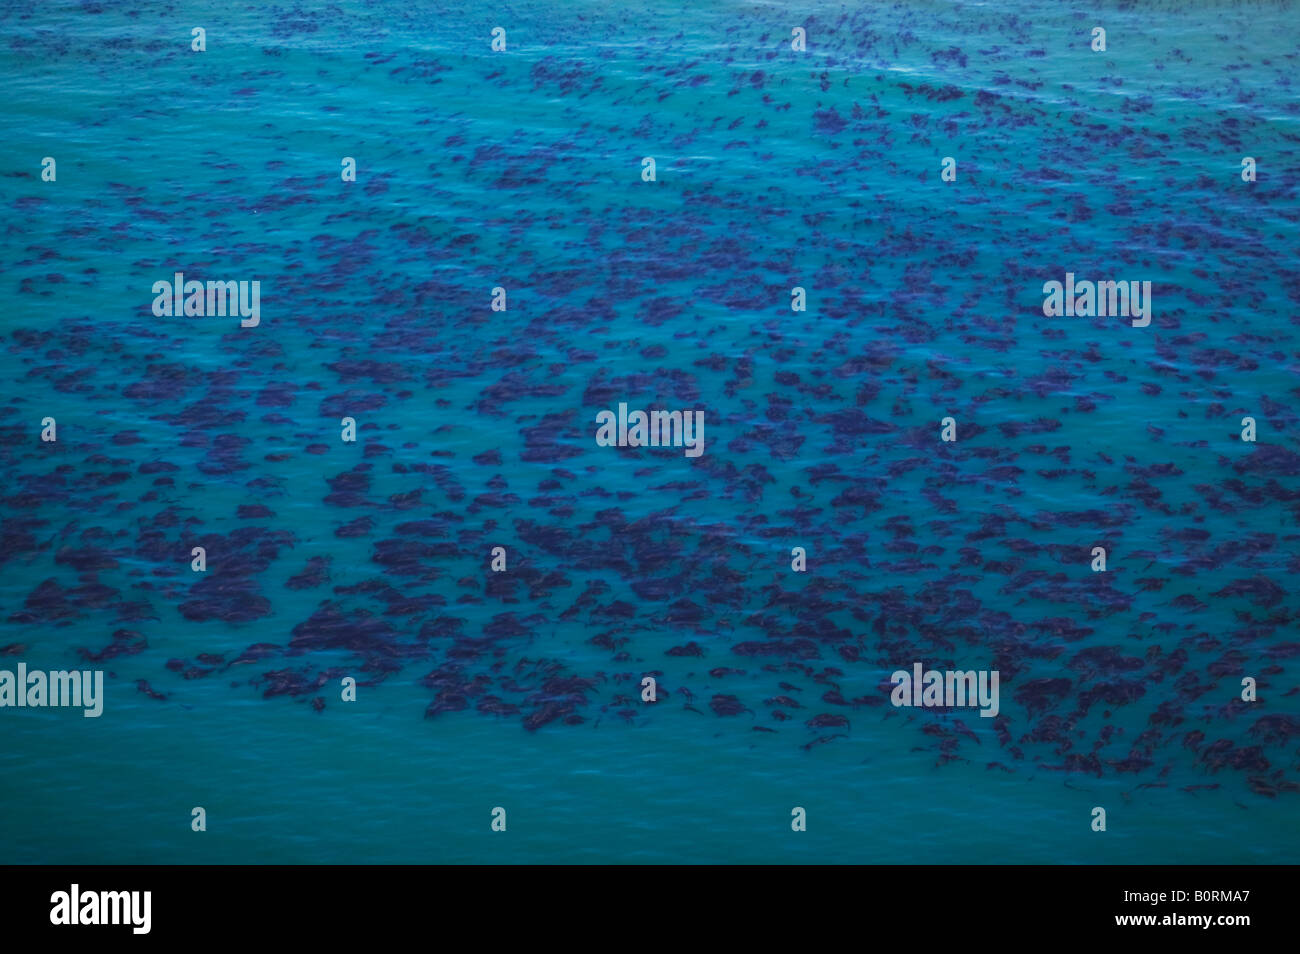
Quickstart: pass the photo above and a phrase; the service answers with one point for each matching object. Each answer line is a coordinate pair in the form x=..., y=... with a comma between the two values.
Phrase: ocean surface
x=775, y=168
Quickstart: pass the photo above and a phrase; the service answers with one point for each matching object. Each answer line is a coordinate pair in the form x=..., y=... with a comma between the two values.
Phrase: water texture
x=476, y=428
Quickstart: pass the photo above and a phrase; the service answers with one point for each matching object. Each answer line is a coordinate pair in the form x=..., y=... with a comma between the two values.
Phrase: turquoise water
x=522, y=169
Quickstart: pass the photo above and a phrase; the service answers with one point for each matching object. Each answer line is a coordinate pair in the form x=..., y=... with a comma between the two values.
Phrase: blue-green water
x=774, y=169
